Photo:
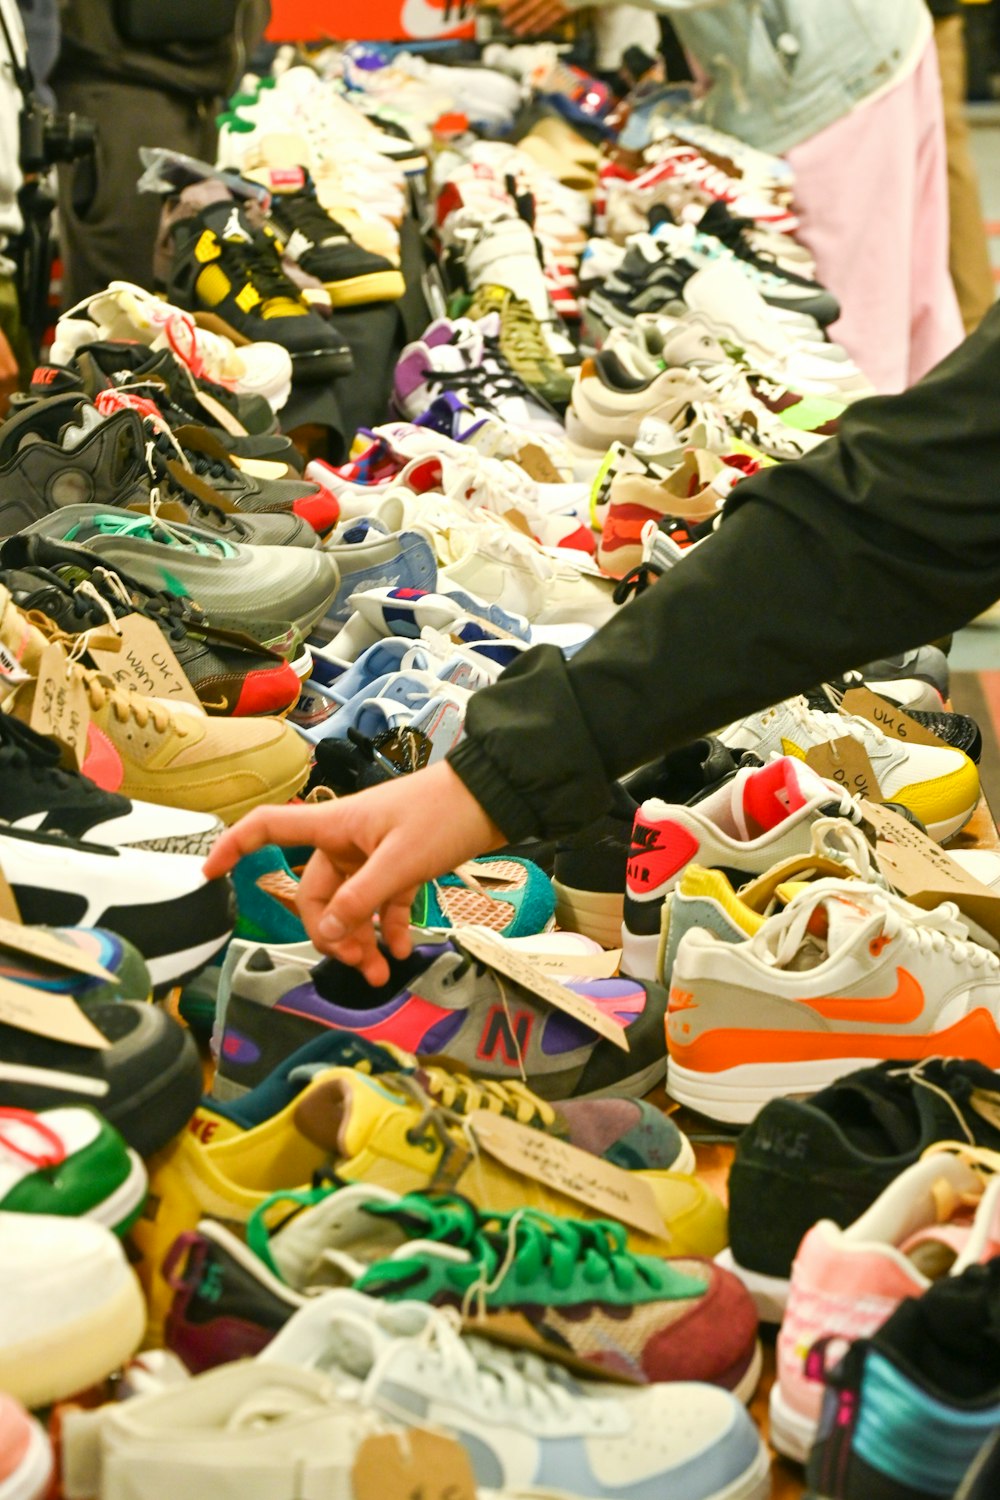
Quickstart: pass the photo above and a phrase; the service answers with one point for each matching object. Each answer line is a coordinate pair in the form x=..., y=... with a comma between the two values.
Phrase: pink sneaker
x=939, y=1216
x=25, y=1455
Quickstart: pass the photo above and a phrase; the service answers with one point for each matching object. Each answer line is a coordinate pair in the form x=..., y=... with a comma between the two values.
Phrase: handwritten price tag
x=61, y=708
x=55, y=1016
x=846, y=762
x=603, y=1187
x=886, y=716
x=144, y=662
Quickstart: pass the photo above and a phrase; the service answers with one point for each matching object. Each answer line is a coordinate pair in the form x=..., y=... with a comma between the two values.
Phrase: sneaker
x=677, y=1319
x=222, y=264
x=589, y=870
x=941, y=786
x=232, y=678
x=273, y=1006
x=160, y=903
x=367, y=557
x=847, y=971
x=128, y=312
x=928, y=1383
x=522, y=337
x=981, y=1480
x=483, y=1393
x=759, y=817
x=37, y=795
x=322, y=246
x=226, y=580
x=25, y=1453
x=145, y=1083
x=693, y=492
x=164, y=753
x=938, y=1217
x=830, y=1156
x=129, y=977
x=72, y=1311
x=629, y=1133
x=262, y=1426
x=69, y=1162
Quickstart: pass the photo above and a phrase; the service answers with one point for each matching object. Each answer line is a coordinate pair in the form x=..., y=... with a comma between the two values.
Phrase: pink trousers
x=872, y=196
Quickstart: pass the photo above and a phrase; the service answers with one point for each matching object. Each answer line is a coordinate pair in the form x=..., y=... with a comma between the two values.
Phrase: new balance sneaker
x=160, y=903
x=69, y=1161
x=71, y=1311
x=222, y=264
x=830, y=1156
x=907, y=1411
x=321, y=245
x=438, y=1001
x=941, y=1215
x=228, y=581
x=761, y=816
x=847, y=972
x=145, y=1083
x=412, y=1363
x=941, y=786
x=677, y=1319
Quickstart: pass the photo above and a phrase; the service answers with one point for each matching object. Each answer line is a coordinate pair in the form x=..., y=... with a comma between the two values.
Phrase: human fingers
x=394, y=921
x=268, y=825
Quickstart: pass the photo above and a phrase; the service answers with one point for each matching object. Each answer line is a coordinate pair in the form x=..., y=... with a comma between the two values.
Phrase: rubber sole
x=736, y=1096
x=30, y=1480
x=640, y=953
x=154, y=1114
x=597, y=914
x=769, y=1293
x=791, y=1434
x=629, y=1088
x=941, y=832
x=377, y=286
x=77, y=1354
x=321, y=364
x=746, y=1387
x=122, y=1206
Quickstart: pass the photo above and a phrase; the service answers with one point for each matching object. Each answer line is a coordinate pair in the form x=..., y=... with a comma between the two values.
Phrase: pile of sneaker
x=334, y=1239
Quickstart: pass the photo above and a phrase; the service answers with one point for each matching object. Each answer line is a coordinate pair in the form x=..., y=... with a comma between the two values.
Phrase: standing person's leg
x=968, y=250
x=871, y=195
x=107, y=229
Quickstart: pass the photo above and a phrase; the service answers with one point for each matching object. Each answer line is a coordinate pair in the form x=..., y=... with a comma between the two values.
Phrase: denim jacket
x=780, y=71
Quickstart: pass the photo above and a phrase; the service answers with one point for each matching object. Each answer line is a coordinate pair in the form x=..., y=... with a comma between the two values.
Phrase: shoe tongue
x=838, y=919
x=340, y=1113
x=231, y=228
x=76, y=433
x=766, y=797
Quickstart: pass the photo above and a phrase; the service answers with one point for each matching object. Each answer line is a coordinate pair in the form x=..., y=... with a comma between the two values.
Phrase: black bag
x=149, y=22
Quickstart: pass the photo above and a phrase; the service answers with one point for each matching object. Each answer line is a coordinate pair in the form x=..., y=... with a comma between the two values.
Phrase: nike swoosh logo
x=905, y=1004
x=221, y=706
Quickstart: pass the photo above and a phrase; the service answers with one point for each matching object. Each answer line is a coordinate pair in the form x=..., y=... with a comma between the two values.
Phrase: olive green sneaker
x=522, y=343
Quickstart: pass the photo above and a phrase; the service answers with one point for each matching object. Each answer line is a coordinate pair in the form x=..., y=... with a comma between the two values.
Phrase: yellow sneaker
x=155, y=752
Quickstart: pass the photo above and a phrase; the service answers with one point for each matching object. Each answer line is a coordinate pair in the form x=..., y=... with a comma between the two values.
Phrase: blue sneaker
x=907, y=1411
x=369, y=557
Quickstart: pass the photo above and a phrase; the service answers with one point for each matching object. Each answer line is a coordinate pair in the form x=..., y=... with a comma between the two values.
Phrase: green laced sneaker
x=69, y=1162
x=522, y=343
x=572, y=1286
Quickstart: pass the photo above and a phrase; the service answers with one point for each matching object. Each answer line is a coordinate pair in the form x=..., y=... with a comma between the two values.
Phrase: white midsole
x=170, y=967
x=640, y=954
x=126, y=1198
x=30, y=1480
x=597, y=914
x=791, y=1433
x=769, y=1293
x=736, y=1095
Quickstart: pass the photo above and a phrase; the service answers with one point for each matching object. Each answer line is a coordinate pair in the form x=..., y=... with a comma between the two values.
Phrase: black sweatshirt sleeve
x=882, y=539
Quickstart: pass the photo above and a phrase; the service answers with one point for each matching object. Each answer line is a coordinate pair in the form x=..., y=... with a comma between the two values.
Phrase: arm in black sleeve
x=884, y=538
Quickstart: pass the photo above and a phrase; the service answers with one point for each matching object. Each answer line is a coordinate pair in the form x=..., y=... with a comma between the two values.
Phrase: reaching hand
x=532, y=17
x=373, y=850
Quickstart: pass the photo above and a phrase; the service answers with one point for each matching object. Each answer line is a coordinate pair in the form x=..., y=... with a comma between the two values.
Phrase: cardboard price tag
x=846, y=762
x=536, y=463
x=55, y=1016
x=608, y=1190
x=892, y=721
x=61, y=708
x=144, y=662
x=415, y=1464
x=481, y=945
x=50, y=949
x=602, y=965
x=922, y=872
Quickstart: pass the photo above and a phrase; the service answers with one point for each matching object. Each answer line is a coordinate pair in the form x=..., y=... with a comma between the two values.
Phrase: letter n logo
x=505, y=1038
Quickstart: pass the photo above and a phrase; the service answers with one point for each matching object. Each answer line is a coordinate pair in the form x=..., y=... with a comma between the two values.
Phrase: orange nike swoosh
x=681, y=1000
x=904, y=1005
